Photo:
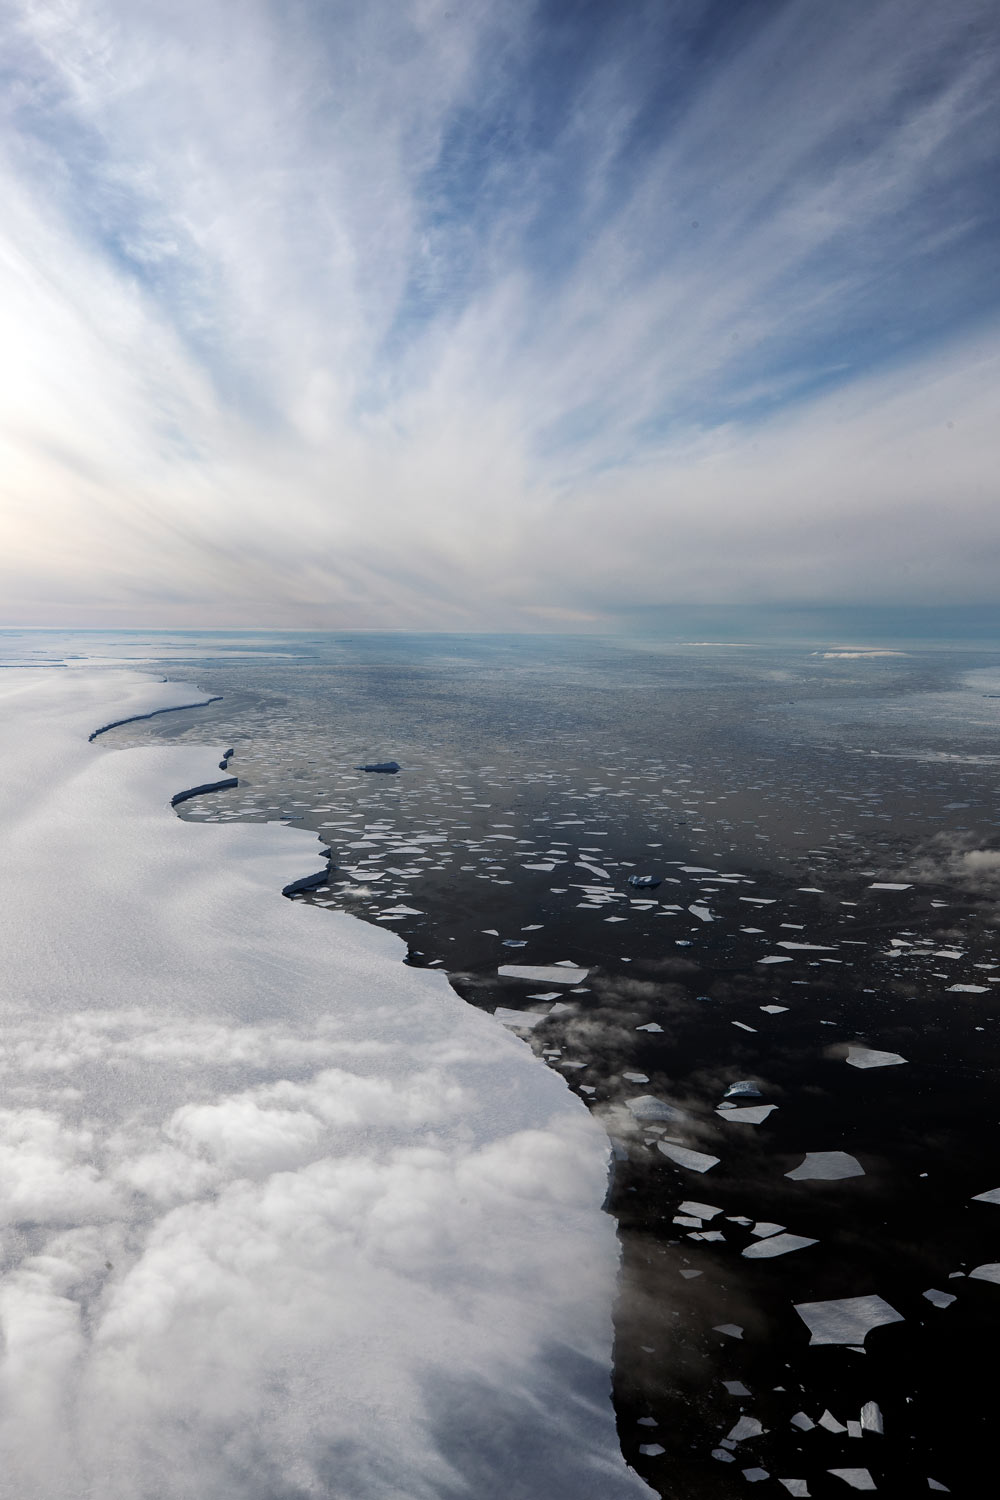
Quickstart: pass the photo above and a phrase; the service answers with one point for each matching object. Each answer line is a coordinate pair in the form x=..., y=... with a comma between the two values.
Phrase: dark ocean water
x=773, y=792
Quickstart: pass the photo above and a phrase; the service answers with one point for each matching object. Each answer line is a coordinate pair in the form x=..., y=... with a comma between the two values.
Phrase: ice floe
x=868, y=1057
x=846, y=1320
x=695, y=1161
x=779, y=1244
x=829, y=1166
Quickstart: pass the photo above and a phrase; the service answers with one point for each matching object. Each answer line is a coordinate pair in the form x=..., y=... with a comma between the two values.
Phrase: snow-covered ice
x=283, y=1215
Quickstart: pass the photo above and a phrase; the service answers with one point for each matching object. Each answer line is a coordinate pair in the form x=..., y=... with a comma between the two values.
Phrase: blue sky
x=511, y=315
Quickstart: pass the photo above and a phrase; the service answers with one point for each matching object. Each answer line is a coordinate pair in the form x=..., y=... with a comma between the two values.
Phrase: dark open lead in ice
x=389, y=767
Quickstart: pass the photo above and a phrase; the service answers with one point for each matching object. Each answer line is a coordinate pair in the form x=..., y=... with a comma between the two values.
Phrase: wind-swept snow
x=281, y=1216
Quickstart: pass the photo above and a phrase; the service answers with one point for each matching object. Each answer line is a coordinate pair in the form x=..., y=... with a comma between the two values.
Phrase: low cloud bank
x=282, y=1217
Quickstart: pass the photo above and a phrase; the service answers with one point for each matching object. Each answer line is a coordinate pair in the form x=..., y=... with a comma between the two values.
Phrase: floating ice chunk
x=871, y=1417
x=759, y=900
x=703, y=1210
x=774, y=1010
x=774, y=958
x=828, y=1166
x=829, y=1421
x=846, y=1320
x=753, y=1475
x=932, y=1484
x=544, y=973
x=702, y=913
x=744, y=1027
x=735, y=1388
x=866, y=1057
x=652, y=1450
x=744, y=1089
x=967, y=989
x=797, y=1487
x=886, y=885
x=859, y=1479
x=520, y=1020
x=648, y=1107
x=695, y=1161
x=538, y=867
x=854, y=1429
x=808, y=947
x=650, y=1026
x=387, y=767
x=779, y=1244
x=732, y=1330
x=647, y=1422
x=722, y=1456
x=804, y=1423
x=988, y=1272
x=762, y=1229
x=939, y=1299
x=746, y=1427
x=993, y=1196
x=550, y=995
x=947, y=953
x=636, y=1077
x=688, y=1274
x=687, y=1221
x=751, y=1114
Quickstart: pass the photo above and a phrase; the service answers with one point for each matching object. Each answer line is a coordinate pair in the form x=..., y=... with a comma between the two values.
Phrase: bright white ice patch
x=288, y=1216
x=829, y=1166
x=695, y=1161
x=543, y=973
x=867, y=1057
x=845, y=1320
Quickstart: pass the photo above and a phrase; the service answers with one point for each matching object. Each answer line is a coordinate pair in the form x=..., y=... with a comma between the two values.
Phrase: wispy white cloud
x=378, y=314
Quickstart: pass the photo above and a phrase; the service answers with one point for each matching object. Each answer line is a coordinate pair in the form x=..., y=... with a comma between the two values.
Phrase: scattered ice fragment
x=866, y=1057
x=549, y=995
x=735, y=1388
x=687, y=1221
x=695, y=1161
x=751, y=1114
x=648, y=1107
x=744, y=1027
x=828, y=1166
x=702, y=913
x=796, y=1487
x=650, y=1026
x=689, y=1274
x=733, y=1330
x=808, y=947
x=746, y=1427
x=853, y=1428
x=774, y=1010
x=722, y=1455
x=779, y=1244
x=871, y=1417
x=703, y=1210
x=988, y=1272
x=859, y=1479
x=803, y=1422
x=520, y=1020
x=544, y=973
x=744, y=1089
x=759, y=900
x=829, y=1421
x=753, y=1475
x=886, y=885
x=939, y=1299
x=652, y=1450
x=774, y=959
x=763, y=1229
x=932, y=1484
x=636, y=1077
x=647, y=1422
x=993, y=1196
x=846, y=1320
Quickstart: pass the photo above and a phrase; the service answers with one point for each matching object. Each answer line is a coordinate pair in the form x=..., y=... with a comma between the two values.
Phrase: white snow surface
x=281, y=1216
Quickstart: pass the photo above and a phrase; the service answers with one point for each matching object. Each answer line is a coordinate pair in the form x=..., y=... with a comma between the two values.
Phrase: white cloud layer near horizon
x=311, y=319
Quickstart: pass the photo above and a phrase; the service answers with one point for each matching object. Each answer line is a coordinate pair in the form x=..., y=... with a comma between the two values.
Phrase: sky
x=439, y=314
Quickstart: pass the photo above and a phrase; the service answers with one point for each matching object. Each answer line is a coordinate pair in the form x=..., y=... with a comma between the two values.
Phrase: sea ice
x=828, y=1166
x=779, y=1244
x=858, y=1479
x=648, y=1107
x=845, y=1320
x=993, y=1196
x=866, y=1057
x=543, y=973
x=752, y=1114
x=695, y=1161
x=988, y=1272
x=939, y=1299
